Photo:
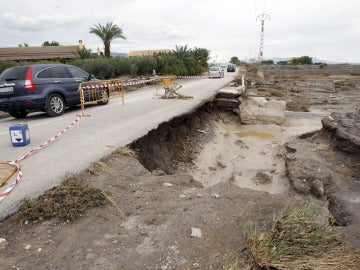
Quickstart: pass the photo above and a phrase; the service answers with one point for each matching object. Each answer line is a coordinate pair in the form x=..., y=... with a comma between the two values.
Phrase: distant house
x=147, y=52
x=43, y=52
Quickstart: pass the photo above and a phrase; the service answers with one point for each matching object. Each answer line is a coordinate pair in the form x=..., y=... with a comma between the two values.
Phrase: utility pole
x=263, y=18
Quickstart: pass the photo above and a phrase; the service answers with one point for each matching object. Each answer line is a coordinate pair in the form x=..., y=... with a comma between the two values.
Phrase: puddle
x=257, y=134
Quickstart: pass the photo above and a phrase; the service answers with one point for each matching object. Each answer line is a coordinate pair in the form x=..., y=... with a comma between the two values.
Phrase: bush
x=4, y=64
x=267, y=62
x=146, y=65
x=101, y=68
x=303, y=60
x=182, y=61
x=121, y=65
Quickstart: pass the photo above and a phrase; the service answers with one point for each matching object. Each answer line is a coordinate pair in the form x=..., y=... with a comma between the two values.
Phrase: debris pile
x=171, y=92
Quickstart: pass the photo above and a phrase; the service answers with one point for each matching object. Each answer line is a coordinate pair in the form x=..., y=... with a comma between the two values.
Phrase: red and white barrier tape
x=13, y=185
x=31, y=152
x=100, y=86
x=137, y=82
x=192, y=77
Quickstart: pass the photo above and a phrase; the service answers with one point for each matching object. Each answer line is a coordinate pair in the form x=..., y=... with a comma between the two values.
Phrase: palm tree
x=107, y=33
x=201, y=56
x=182, y=52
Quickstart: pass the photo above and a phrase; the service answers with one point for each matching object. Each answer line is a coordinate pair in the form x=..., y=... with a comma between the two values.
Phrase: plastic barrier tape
x=31, y=152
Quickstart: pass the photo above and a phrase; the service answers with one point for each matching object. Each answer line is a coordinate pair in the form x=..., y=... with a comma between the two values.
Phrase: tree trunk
x=107, y=49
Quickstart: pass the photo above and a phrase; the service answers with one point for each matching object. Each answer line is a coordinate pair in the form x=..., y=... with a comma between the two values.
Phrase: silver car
x=215, y=72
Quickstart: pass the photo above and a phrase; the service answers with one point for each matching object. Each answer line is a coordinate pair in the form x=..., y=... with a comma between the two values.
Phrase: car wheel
x=55, y=105
x=19, y=115
x=104, y=96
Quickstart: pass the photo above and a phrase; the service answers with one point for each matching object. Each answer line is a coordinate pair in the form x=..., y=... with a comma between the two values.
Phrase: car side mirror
x=91, y=77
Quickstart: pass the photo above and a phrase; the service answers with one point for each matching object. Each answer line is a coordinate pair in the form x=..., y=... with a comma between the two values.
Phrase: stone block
x=259, y=110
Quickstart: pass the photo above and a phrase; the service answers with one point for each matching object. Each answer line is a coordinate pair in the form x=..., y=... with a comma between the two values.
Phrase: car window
x=12, y=74
x=44, y=74
x=60, y=72
x=214, y=69
x=78, y=73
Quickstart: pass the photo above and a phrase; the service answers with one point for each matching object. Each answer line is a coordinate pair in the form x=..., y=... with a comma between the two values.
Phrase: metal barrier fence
x=100, y=92
x=6, y=171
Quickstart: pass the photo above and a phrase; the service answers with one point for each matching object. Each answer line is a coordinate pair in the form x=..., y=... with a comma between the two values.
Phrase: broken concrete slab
x=229, y=92
x=259, y=110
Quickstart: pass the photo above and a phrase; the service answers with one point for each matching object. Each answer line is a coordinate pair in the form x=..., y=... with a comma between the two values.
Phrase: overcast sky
x=325, y=29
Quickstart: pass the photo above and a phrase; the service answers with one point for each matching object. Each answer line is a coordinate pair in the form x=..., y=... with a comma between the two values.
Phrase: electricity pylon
x=263, y=18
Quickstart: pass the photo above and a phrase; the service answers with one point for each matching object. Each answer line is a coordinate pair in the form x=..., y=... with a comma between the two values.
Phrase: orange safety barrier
x=6, y=171
x=100, y=91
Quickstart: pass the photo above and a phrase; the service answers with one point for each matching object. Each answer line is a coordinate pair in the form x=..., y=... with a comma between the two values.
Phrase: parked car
x=231, y=68
x=42, y=87
x=215, y=72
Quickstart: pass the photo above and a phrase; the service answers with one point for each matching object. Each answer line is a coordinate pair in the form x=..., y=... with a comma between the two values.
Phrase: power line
x=263, y=17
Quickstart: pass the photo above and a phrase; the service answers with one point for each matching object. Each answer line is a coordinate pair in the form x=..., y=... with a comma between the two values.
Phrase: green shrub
x=267, y=62
x=4, y=64
x=101, y=68
x=133, y=69
x=146, y=65
x=121, y=65
x=182, y=61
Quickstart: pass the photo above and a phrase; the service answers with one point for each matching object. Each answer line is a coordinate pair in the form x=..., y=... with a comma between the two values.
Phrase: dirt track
x=148, y=224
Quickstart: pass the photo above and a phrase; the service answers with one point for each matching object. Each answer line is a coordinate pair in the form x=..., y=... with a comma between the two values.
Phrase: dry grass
x=67, y=201
x=126, y=151
x=296, y=241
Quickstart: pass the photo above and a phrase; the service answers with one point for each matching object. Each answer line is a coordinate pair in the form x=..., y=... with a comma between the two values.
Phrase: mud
x=202, y=171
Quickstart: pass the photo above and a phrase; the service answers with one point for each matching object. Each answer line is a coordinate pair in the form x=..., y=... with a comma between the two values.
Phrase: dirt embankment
x=200, y=180
x=324, y=163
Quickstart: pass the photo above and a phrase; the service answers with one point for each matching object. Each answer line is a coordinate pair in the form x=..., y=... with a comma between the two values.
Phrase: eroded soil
x=205, y=171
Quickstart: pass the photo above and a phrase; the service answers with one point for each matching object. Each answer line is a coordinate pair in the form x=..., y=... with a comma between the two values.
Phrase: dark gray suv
x=43, y=87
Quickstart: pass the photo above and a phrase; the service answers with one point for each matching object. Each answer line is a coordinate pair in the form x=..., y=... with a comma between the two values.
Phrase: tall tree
x=23, y=44
x=201, y=55
x=52, y=43
x=182, y=52
x=107, y=33
x=303, y=60
x=234, y=60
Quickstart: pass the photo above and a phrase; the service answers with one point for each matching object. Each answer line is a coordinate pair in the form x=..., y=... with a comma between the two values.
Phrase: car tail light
x=29, y=84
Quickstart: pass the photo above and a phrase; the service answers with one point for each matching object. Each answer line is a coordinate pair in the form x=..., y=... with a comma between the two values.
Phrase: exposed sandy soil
x=205, y=171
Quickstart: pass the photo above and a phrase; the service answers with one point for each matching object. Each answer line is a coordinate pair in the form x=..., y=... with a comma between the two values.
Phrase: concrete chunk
x=258, y=110
x=229, y=92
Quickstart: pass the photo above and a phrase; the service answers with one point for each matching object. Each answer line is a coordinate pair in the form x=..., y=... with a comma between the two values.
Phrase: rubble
x=344, y=128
